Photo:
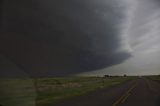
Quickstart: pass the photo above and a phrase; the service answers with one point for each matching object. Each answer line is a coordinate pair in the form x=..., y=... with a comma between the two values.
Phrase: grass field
x=48, y=91
x=155, y=78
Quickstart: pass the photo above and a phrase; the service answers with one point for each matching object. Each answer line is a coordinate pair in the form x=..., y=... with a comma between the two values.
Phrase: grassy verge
x=48, y=91
x=55, y=90
x=155, y=78
x=17, y=92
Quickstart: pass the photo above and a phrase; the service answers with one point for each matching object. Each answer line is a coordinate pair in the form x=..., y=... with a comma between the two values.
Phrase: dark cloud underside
x=61, y=37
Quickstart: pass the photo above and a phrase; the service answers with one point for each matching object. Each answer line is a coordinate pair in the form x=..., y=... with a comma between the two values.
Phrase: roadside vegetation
x=49, y=91
x=155, y=78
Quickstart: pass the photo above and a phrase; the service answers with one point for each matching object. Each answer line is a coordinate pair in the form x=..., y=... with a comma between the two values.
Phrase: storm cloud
x=142, y=36
x=61, y=37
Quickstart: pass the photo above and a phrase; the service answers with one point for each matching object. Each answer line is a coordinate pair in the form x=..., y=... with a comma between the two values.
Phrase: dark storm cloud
x=61, y=37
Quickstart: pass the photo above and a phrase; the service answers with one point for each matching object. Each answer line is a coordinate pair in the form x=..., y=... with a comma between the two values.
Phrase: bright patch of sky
x=141, y=37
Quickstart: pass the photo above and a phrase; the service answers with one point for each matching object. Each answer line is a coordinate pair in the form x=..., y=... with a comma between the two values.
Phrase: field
x=48, y=91
x=155, y=78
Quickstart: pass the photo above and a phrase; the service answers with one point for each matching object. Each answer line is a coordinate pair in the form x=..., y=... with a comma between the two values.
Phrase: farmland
x=154, y=78
x=48, y=91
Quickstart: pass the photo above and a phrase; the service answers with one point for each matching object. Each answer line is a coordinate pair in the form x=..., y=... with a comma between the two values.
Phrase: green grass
x=155, y=78
x=22, y=92
x=17, y=92
x=55, y=90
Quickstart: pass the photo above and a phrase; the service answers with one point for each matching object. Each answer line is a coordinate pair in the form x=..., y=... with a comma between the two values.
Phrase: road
x=139, y=92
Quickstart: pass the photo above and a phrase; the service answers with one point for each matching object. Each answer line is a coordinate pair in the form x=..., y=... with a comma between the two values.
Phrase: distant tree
x=124, y=75
x=106, y=76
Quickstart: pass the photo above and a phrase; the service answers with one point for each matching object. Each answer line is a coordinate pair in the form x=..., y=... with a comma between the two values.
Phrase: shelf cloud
x=141, y=34
x=62, y=37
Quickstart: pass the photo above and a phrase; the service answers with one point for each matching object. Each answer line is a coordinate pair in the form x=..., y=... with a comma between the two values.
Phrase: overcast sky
x=65, y=37
x=142, y=36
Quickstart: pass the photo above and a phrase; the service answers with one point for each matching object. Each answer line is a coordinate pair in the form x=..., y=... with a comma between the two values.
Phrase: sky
x=141, y=33
x=91, y=37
